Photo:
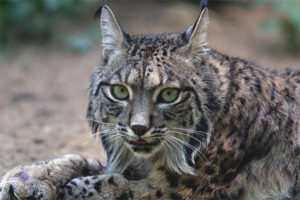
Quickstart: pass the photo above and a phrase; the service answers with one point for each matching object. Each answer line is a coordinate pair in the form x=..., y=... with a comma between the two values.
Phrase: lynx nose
x=139, y=130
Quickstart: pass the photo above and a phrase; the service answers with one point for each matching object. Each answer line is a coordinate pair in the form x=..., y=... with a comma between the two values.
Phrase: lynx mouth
x=143, y=147
x=142, y=142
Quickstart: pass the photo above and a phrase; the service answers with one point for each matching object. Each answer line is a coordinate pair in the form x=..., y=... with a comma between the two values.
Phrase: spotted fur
x=232, y=132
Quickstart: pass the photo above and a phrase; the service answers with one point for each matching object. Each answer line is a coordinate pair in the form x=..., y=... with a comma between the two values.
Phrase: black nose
x=139, y=129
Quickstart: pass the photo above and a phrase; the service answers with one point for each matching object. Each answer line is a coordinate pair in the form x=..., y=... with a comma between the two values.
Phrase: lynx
x=178, y=121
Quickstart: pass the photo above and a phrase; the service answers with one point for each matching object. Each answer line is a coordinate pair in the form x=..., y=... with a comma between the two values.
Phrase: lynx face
x=149, y=104
x=145, y=100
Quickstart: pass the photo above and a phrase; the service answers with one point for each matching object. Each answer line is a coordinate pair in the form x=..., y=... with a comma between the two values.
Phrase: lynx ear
x=113, y=37
x=196, y=36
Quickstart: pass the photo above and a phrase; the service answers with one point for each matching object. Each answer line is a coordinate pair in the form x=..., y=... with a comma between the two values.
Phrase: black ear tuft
x=203, y=4
x=98, y=12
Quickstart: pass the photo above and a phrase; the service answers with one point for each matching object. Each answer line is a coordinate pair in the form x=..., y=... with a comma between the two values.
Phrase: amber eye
x=168, y=95
x=120, y=92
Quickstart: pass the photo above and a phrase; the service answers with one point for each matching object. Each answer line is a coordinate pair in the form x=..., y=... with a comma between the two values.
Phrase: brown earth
x=43, y=94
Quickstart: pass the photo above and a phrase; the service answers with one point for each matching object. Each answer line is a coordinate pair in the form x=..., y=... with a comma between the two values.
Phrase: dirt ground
x=43, y=94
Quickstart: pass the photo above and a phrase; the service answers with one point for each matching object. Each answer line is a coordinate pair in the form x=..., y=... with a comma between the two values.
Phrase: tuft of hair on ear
x=99, y=10
x=203, y=4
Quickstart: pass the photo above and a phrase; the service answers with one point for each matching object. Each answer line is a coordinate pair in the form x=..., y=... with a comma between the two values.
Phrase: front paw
x=27, y=182
x=107, y=186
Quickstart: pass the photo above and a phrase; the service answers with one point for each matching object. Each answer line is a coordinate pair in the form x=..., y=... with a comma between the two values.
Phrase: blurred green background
x=45, y=21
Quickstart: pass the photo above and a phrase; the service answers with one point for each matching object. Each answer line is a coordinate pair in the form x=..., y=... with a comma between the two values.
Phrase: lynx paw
x=107, y=186
x=26, y=183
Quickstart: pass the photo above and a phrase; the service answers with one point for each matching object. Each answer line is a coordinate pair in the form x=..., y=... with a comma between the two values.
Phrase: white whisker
x=188, y=130
x=180, y=133
x=188, y=145
x=100, y=122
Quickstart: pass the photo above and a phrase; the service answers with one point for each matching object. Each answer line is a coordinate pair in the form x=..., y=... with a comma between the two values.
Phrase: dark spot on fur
x=235, y=85
x=223, y=195
x=297, y=151
x=158, y=194
x=133, y=53
x=175, y=196
x=202, y=125
x=209, y=170
x=164, y=52
x=111, y=180
x=229, y=177
x=233, y=142
x=246, y=78
x=172, y=179
x=86, y=171
x=242, y=146
x=83, y=190
x=214, y=180
x=98, y=186
x=208, y=189
x=213, y=102
x=73, y=183
x=238, y=195
x=122, y=197
x=87, y=182
x=173, y=49
x=161, y=168
x=190, y=183
x=194, y=81
x=216, y=70
x=191, y=119
x=90, y=194
x=242, y=100
x=69, y=189
x=257, y=84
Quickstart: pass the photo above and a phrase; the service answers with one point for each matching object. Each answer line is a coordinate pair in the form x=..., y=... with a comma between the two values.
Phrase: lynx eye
x=120, y=92
x=168, y=95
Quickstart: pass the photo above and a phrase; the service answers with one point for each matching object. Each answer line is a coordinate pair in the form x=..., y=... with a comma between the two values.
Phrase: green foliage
x=34, y=20
x=288, y=21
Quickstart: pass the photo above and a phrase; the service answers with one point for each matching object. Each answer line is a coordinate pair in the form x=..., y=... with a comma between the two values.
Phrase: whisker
x=188, y=130
x=100, y=122
x=188, y=145
x=103, y=133
x=188, y=136
x=174, y=143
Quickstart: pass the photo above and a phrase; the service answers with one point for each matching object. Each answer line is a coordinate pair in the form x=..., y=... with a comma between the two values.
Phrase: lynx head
x=149, y=98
